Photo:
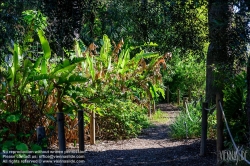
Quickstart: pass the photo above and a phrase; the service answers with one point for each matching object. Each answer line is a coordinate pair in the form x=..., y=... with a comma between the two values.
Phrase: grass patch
x=159, y=117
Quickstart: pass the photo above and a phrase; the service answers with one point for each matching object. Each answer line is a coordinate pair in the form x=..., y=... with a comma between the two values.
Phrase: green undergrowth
x=188, y=125
x=121, y=120
x=159, y=117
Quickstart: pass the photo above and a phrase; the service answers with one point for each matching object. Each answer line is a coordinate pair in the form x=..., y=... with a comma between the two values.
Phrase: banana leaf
x=45, y=45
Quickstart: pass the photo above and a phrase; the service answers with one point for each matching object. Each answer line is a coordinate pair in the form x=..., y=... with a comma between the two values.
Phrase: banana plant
x=140, y=70
x=118, y=70
x=24, y=74
x=28, y=85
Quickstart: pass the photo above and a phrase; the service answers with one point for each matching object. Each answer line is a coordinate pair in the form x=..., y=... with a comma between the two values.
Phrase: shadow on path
x=166, y=156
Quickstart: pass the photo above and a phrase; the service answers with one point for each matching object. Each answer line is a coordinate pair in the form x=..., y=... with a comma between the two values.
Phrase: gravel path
x=152, y=147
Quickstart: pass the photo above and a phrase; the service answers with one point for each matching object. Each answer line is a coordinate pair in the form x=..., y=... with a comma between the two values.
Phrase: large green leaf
x=15, y=65
x=64, y=71
x=121, y=58
x=152, y=90
x=26, y=71
x=62, y=80
x=66, y=65
x=161, y=91
x=151, y=44
x=90, y=61
x=125, y=61
x=45, y=44
x=16, y=58
x=105, y=51
x=38, y=61
x=35, y=147
x=143, y=55
x=22, y=147
x=11, y=76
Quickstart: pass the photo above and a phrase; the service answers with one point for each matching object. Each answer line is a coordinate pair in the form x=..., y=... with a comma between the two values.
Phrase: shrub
x=121, y=119
x=190, y=126
x=234, y=103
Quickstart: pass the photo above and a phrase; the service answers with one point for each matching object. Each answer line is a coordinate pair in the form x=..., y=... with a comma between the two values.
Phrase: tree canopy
x=171, y=24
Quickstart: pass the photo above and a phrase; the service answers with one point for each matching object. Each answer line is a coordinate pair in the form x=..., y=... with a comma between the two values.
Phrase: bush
x=121, y=119
x=190, y=126
x=234, y=102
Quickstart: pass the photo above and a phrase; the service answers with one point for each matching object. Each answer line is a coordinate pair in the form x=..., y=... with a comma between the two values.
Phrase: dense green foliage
x=234, y=103
x=188, y=124
x=121, y=119
x=185, y=73
x=171, y=24
x=176, y=24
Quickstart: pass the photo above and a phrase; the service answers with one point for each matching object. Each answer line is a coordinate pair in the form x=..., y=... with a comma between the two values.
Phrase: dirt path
x=152, y=147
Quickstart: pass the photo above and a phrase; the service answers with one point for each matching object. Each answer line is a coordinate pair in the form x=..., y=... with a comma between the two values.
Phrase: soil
x=152, y=147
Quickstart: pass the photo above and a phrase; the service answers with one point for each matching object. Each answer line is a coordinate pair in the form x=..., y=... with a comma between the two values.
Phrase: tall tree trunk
x=247, y=30
x=219, y=59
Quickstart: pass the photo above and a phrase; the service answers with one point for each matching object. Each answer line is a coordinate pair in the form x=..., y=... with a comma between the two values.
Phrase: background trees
x=177, y=26
x=173, y=25
x=65, y=22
